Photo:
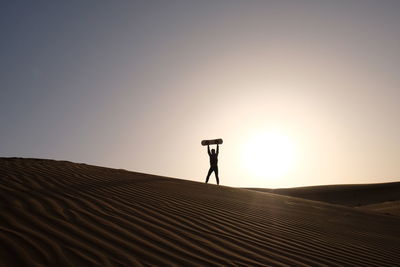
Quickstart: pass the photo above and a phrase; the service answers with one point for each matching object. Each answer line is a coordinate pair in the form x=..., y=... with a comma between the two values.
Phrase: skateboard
x=212, y=142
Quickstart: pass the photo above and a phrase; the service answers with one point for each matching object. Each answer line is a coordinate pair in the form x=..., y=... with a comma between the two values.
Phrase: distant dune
x=352, y=195
x=58, y=213
x=389, y=207
x=383, y=198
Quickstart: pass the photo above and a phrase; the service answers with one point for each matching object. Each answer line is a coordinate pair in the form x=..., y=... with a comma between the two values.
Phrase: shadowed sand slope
x=391, y=207
x=62, y=213
x=347, y=195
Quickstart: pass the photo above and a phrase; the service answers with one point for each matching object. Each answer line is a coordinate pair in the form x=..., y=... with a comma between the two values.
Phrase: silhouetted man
x=213, y=163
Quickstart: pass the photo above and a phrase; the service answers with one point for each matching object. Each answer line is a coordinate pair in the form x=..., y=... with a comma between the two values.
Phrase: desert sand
x=388, y=207
x=58, y=213
x=383, y=197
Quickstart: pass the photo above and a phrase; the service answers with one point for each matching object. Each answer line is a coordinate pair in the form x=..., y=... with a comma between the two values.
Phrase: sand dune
x=382, y=198
x=352, y=195
x=68, y=214
x=390, y=207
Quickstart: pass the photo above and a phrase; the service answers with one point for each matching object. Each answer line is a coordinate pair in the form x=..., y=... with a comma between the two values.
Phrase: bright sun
x=269, y=155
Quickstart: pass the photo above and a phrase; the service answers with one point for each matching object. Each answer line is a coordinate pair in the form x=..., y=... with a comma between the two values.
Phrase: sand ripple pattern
x=58, y=213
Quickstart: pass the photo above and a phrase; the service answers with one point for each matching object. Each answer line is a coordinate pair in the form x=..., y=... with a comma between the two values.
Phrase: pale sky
x=138, y=84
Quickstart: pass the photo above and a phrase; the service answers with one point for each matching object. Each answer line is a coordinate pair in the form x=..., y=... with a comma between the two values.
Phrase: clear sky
x=138, y=84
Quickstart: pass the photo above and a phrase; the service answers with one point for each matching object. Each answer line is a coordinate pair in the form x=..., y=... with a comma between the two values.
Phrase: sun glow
x=269, y=155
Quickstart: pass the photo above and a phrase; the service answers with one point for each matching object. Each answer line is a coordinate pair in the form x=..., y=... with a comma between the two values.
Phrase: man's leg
x=216, y=174
x=209, y=173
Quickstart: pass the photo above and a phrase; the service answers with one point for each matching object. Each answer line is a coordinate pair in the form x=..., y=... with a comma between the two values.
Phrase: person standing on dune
x=213, y=163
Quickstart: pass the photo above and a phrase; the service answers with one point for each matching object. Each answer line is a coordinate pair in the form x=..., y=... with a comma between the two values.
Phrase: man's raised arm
x=208, y=150
x=217, y=149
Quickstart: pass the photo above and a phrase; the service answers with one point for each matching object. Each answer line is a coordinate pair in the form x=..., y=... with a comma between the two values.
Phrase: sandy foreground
x=58, y=213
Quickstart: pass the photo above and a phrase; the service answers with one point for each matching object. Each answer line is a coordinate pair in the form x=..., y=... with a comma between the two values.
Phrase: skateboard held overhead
x=212, y=142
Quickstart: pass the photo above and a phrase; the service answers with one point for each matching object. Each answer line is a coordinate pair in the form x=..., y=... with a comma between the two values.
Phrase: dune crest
x=63, y=213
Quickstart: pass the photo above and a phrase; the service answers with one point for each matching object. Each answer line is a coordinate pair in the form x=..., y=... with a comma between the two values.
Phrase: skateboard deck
x=212, y=142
